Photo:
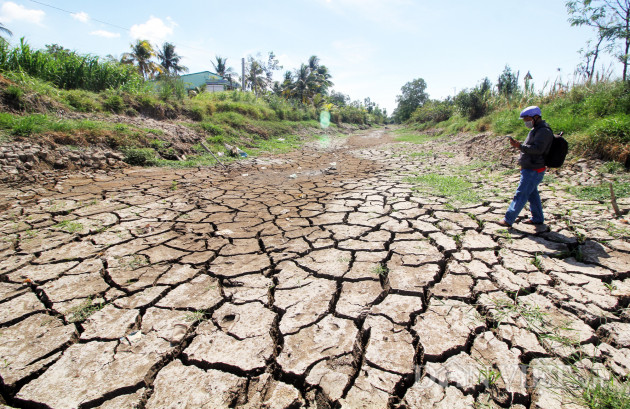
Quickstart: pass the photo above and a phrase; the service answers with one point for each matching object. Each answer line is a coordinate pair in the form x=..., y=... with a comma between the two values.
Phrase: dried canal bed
x=314, y=279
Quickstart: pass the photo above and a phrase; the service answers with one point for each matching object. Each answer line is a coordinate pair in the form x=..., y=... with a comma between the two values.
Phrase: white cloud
x=14, y=12
x=154, y=30
x=105, y=34
x=81, y=16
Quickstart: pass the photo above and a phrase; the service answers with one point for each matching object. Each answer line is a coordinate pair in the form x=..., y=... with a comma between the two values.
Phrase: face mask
x=529, y=124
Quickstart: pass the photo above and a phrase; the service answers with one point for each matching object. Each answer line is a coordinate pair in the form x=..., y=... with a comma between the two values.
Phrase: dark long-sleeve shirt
x=535, y=147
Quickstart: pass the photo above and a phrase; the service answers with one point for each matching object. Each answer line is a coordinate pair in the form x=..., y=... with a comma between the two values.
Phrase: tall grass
x=69, y=70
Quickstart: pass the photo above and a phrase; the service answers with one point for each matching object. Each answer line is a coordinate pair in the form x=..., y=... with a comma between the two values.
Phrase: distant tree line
x=414, y=103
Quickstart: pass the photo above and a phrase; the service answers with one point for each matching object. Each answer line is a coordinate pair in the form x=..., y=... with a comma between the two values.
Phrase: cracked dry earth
x=292, y=282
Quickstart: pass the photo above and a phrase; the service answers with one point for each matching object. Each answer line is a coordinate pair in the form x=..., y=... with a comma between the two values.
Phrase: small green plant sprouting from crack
x=585, y=387
x=506, y=235
x=69, y=226
x=5, y=363
x=616, y=231
x=563, y=340
x=174, y=185
x=134, y=261
x=599, y=393
x=575, y=252
x=196, y=316
x=379, y=270
x=531, y=314
x=82, y=311
x=458, y=239
x=590, y=388
x=489, y=376
x=88, y=203
x=610, y=287
x=537, y=262
x=343, y=259
x=479, y=222
x=30, y=233
x=581, y=237
x=536, y=321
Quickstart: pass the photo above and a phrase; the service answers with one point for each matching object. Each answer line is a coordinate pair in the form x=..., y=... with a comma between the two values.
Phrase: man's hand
x=515, y=143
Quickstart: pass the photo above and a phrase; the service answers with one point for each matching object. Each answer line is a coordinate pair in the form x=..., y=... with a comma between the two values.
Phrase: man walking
x=532, y=162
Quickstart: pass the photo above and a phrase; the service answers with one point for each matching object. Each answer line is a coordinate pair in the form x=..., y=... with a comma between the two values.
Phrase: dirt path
x=313, y=279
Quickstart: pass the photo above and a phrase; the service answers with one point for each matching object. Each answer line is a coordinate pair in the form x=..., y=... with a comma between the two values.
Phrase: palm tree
x=221, y=68
x=303, y=85
x=255, y=77
x=5, y=30
x=313, y=63
x=140, y=55
x=169, y=60
x=322, y=77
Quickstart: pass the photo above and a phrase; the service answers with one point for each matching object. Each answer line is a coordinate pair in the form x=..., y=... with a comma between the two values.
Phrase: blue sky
x=371, y=47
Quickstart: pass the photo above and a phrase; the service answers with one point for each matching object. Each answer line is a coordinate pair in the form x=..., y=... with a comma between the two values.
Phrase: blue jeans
x=527, y=191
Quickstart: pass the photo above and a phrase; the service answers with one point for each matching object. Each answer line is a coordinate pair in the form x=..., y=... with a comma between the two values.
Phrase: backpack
x=557, y=151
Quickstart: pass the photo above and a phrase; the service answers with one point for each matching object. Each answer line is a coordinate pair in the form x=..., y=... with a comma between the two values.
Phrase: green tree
x=169, y=60
x=259, y=73
x=413, y=96
x=309, y=83
x=369, y=105
x=474, y=104
x=339, y=99
x=221, y=68
x=611, y=19
x=507, y=84
x=303, y=84
x=321, y=78
x=141, y=54
x=57, y=50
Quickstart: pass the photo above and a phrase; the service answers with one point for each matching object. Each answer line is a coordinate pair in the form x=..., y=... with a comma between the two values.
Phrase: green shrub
x=475, y=103
x=15, y=96
x=114, y=103
x=216, y=140
x=83, y=101
x=140, y=156
x=196, y=113
x=231, y=118
x=433, y=111
x=7, y=121
x=211, y=128
x=170, y=87
x=508, y=122
x=29, y=125
x=612, y=129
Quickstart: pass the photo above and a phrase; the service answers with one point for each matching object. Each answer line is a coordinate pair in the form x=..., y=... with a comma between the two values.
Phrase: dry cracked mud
x=319, y=278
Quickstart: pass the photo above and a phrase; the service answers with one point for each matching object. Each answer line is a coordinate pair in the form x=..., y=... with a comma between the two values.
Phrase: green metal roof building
x=213, y=82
